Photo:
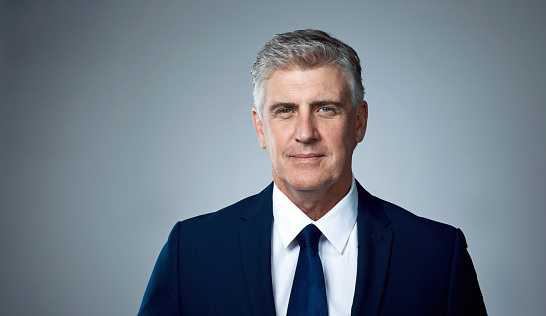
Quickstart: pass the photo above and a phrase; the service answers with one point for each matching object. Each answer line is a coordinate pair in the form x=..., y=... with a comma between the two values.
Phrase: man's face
x=310, y=127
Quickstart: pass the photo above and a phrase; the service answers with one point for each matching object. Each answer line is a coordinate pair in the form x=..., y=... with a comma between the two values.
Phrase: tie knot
x=309, y=237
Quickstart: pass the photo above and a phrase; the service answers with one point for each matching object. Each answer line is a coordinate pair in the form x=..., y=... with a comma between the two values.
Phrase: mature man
x=314, y=242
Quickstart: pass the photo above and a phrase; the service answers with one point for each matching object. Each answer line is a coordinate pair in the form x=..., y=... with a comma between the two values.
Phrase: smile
x=310, y=157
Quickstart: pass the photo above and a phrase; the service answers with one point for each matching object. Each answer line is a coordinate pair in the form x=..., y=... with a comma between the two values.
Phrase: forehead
x=306, y=85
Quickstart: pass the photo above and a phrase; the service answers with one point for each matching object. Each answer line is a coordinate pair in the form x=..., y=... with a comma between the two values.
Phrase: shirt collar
x=336, y=225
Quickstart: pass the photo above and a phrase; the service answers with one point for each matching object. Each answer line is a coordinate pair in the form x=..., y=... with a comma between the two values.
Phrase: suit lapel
x=256, y=252
x=374, y=249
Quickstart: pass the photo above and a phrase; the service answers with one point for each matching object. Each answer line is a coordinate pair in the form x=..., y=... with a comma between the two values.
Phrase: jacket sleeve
x=465, y=297
x=162, y=295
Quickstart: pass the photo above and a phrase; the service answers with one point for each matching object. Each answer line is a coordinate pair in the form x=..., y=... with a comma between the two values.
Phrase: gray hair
x=306, y=49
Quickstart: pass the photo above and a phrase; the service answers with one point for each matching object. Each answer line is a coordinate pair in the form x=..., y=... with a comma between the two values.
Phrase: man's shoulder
x=217, y=230
x=397, y=213
x=417, y=236
x=406, y=224
x=228, y=215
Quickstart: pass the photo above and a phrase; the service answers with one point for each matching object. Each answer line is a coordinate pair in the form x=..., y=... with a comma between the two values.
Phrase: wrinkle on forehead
x=306, y=85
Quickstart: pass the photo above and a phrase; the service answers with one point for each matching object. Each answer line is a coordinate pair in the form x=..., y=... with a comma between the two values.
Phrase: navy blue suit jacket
x=220, y=264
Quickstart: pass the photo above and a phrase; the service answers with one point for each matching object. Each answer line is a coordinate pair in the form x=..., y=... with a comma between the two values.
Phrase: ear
x=361, y=120
x=259, y=127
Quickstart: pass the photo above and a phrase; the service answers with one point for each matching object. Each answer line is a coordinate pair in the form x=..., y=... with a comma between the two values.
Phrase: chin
x=306, y=179
x=307, y=184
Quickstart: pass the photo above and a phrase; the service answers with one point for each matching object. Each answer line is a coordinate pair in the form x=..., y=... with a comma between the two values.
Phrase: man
x=314, y=242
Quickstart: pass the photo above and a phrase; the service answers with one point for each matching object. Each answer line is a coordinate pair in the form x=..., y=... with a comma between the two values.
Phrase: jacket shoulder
x=228, y=216
x=414, y=235
x=402, y=219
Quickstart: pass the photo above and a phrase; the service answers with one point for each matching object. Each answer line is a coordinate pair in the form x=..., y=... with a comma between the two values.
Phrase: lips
x=306, y=155
x=306, y=158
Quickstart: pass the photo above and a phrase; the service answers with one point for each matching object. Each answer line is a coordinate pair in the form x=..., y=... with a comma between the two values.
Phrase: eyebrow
x=327, y=102
x=276, y=106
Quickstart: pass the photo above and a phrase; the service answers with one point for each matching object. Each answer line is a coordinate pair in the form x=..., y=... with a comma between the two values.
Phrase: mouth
x=306, y=157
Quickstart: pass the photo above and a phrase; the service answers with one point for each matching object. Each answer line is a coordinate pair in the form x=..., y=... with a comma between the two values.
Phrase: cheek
x=344, y=141
x=275, y=137
x=271, y=141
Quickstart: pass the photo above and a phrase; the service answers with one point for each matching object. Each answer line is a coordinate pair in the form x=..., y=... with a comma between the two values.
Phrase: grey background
x=119, y=118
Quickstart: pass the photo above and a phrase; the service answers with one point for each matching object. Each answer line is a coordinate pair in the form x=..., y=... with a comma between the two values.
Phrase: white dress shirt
x=337, y=250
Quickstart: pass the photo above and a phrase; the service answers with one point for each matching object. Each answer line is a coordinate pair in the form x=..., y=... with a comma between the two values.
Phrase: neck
x=316, y=203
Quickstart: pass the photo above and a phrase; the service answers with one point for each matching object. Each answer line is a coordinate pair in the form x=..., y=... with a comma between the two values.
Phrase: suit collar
x=255, y=238
x=374, y=249
x=336, y=225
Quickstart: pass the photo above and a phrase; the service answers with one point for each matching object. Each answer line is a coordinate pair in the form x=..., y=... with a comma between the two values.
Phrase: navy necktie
x=308, y=295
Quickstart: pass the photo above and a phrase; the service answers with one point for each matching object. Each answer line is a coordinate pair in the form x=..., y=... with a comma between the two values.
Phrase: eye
x=283, y=112
x=325, y=109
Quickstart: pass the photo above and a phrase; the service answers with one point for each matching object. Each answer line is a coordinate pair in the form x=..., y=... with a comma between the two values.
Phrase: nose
x=306, y=129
